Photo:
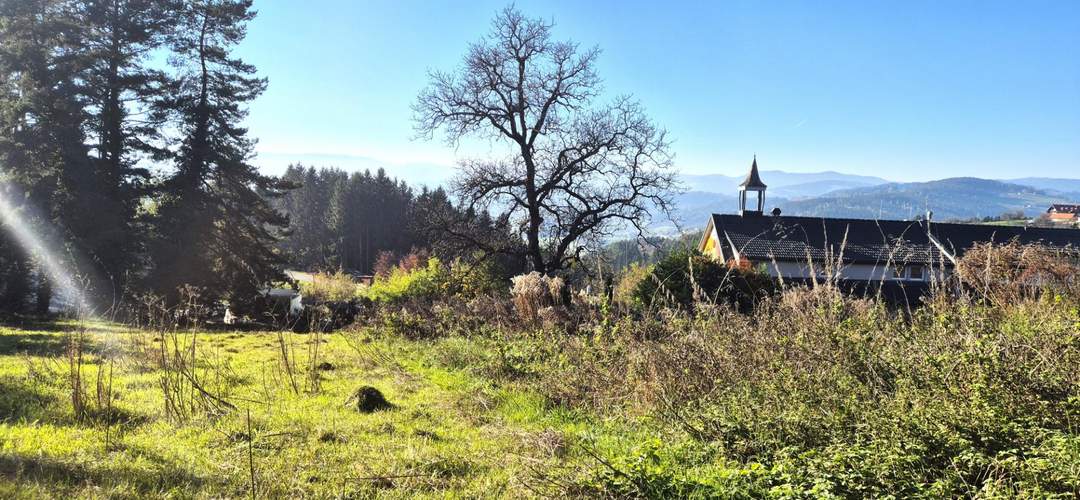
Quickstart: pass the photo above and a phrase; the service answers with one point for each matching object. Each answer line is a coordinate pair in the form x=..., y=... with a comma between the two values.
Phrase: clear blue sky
x=903, y=90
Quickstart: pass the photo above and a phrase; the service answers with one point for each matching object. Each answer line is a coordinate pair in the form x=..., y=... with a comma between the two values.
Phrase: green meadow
x=447, y=433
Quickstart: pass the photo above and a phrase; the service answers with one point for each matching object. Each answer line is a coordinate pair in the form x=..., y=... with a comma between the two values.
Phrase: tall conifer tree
x=43, y=157
x=216, y=227
x=123, y=95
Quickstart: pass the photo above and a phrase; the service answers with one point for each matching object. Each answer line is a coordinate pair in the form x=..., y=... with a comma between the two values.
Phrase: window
x=915, y=273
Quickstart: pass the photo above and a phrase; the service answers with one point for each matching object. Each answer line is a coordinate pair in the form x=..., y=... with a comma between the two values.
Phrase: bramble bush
x=975, y=392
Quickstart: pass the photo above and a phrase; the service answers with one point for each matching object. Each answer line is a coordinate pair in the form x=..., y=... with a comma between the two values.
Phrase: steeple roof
x=753, y=180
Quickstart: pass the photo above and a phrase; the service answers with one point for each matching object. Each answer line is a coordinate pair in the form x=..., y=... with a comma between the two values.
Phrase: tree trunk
x=536, y=256
x=44, y=297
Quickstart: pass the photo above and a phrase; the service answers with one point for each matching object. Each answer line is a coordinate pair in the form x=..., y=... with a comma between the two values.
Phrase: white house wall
x=864, y=272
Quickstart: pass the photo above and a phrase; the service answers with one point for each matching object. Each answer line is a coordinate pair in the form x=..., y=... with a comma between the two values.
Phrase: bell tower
x=752, y=183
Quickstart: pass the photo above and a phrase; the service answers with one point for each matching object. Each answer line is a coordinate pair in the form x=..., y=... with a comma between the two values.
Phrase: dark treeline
x=140, y=169
x=346, y=221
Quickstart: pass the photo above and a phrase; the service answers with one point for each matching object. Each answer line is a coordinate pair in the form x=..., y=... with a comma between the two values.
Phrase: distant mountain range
x=956, y=198
x=833, y=194
x=1049, y=184
x=784, y=184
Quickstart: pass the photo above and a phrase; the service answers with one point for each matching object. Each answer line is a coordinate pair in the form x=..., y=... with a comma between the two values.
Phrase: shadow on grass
x=34, y=344
x=18, y=402
x=57, y=475
x=60, y=325
x=115, y=416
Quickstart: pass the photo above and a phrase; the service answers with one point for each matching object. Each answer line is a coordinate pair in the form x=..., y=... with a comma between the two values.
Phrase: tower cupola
x=752, y=183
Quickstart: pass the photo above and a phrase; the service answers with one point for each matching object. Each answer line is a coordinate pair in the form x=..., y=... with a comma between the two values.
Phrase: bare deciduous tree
x=576, y=172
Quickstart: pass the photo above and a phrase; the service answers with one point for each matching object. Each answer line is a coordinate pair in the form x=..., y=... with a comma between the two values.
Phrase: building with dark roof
x=1064, y=212
x=853, y=249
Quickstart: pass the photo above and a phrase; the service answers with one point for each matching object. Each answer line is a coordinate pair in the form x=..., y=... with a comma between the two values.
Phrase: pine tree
x=123, y=93
x=42, y=141
x=216, y=227
x=308, y=242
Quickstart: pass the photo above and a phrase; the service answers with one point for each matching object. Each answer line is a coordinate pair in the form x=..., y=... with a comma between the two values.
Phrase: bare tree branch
x=578, y=172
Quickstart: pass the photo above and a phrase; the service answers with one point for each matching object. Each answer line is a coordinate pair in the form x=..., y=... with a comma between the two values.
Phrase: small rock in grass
x=368, y=399
x=325, y=366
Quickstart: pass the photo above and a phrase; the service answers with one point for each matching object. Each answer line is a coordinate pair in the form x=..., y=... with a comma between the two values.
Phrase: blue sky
x=903, y=90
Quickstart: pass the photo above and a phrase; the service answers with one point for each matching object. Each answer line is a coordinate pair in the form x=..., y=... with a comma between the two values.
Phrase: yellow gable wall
x=712, y=246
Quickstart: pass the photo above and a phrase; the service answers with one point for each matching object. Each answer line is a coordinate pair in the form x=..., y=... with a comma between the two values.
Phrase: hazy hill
x=955, y=198
x=1069, y=186
x=959, y=197
x=785, y=184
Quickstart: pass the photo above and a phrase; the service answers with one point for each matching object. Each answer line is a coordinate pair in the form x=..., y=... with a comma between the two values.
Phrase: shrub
x=472, y=279
x=336, y=287
x=1004, y=274
x=687, y=277
x=415, y=259
x=385, y=262
x=422, y=283
x=626, y=290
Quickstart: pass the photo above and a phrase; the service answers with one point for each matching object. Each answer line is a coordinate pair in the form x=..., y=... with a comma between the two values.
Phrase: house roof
x=1064, y=208
x=957, y=238
x=786, y=238
x=753, y=179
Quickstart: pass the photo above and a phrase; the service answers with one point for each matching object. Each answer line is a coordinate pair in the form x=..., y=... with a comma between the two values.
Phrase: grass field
x=813, y=395
x=450, y=433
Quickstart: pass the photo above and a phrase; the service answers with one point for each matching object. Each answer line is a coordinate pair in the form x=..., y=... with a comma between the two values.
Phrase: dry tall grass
x=969, y=393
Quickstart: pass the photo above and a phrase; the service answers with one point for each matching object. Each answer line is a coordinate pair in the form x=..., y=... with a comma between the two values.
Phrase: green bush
x=472, y=279
x=687, y=277
x=435, y=280
x=423, y=283
x=625, y=292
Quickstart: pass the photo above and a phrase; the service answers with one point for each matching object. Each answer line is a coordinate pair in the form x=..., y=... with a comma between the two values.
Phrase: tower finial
x=753, y=179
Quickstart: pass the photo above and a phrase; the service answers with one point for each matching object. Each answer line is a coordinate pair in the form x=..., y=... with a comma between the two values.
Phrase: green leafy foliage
x=626, y=289
x=434, y=280
x=686, y=277
x=422, y=283
x=470, y=279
